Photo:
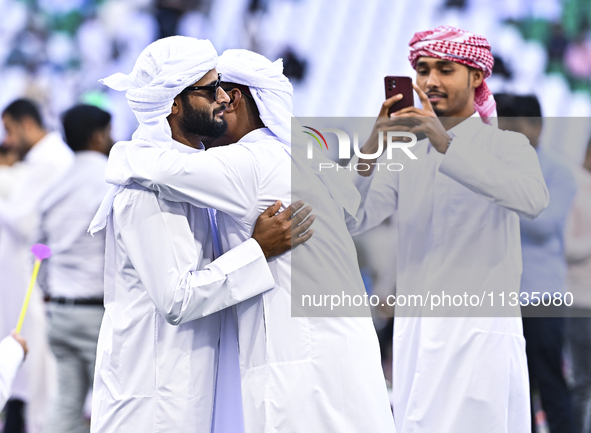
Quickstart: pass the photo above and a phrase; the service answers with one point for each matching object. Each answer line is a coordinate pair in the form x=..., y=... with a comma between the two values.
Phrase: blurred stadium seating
x=337, y=52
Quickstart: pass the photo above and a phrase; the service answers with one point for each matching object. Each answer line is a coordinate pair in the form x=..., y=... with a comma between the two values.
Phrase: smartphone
x=397, y=85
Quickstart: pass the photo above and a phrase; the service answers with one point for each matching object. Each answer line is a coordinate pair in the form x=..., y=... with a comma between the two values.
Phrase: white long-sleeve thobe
x=299, y=374
x=158, y=345
x=458, y=230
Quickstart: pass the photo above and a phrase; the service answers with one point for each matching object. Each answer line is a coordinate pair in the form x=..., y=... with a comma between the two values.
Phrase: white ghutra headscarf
x=161, y=72
x=270, y=89
x=272, y=92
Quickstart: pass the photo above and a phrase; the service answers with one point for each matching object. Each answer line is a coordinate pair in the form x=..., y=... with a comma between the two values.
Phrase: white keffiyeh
x=270, y=89
x=272, y=93
x=160, y=73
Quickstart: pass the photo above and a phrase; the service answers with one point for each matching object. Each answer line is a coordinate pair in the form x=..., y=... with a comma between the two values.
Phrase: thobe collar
x=90, y=155
x=256, y=135
x=37, y=151
x=465, y=129
x=183, y=148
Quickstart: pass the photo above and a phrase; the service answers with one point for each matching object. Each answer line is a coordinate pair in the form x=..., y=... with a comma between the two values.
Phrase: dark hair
x=509, y=105
x=80, y=122
x=22, y=108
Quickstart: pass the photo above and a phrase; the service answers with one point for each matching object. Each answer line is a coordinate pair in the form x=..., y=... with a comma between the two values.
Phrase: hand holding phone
x=399, y=85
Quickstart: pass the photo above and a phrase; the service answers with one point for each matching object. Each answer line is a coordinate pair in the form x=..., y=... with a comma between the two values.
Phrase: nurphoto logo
x=315, y=138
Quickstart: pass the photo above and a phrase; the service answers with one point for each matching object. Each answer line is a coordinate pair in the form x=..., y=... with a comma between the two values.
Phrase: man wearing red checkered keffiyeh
x=457, y=368
x=458, y=46
x=451, y=66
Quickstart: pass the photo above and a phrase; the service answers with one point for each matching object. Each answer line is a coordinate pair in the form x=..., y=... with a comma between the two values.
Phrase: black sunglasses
x=211, y=87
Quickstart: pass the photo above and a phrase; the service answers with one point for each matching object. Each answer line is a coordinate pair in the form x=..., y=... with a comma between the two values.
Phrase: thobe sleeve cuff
x=246, y=271
x=11, y=357
x=242, y=255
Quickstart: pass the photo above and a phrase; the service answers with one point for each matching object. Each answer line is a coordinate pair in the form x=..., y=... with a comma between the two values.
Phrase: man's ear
x=537, y=126
x=235, y=97
x=176, y=103
x=28, y=124
x=95, y=140
x=477, y=77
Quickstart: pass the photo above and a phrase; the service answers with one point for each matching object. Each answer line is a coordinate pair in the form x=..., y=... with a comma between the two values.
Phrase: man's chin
x=221, y=128
x=439, y=111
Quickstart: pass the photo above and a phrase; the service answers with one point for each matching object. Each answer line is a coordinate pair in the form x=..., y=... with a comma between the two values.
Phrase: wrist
x=443, y=143
x=370, y=163
x=254, y=237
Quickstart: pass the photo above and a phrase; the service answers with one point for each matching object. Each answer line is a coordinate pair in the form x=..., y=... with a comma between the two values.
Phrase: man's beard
x=438, y=113
x=202, y=123
x=24, y=146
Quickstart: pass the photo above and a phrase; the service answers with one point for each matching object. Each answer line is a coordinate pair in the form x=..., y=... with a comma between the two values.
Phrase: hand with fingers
x=20, y=341
x=277, y=233
x=424, y=121
x=384, y=123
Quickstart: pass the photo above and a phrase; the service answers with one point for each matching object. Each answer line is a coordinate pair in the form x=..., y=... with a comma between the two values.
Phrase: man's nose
x=221, y=96
x=432, y=79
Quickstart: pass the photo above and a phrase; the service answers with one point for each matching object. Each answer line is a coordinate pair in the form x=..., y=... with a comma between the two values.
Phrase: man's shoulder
x=55, y=144
x=266, y=145
x=52, y=153
x=502, y=141
x=132, y=194
x=502, y=135
x=134, y=197
x=254, y=152
x=89, y=167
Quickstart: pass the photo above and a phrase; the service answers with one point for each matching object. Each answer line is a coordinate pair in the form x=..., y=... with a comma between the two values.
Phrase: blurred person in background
x=457, y=207
x=577, y=57
x=75, y=270
x=544, y=267
x=10, y=171
x=13, y=350
x=169, y=13
x=8, y=157
x=46, y=158
x=578, y=329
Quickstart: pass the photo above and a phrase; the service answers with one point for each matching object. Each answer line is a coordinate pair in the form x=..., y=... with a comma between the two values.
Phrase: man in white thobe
x=457, y=206
x=299, y=374
x=75, y=283
x=46, y=159
x=158, y=344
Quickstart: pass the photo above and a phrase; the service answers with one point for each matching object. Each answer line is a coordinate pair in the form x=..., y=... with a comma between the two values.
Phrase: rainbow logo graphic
x=315, y=137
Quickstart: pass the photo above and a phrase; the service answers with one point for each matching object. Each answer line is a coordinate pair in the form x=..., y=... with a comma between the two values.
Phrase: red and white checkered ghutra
x=459, y=46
